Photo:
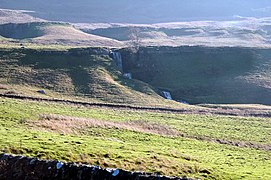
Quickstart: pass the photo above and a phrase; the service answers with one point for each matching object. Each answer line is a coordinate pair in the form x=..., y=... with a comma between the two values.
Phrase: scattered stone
x=4, y=157
x=115, y=173
x=33, y=161
x=127, y=75
x=167, y=95
x=41, y=91
x=59, y=165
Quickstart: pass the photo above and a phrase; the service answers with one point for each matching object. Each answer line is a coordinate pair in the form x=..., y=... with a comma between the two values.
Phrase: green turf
x=53, y=47
x=74, y=72
x=133, y=150
x=204, y=74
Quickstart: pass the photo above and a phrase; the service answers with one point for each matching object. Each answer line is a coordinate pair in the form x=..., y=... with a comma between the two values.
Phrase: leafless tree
x=134, y=39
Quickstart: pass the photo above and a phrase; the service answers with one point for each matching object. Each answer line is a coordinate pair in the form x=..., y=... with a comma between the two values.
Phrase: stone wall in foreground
x=20, y=167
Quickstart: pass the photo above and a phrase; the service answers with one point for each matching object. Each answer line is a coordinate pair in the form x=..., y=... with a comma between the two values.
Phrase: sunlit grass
x=118, y=147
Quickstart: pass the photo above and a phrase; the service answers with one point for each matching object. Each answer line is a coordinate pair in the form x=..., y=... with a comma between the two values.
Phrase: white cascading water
x=167, y=95
x=117, y=58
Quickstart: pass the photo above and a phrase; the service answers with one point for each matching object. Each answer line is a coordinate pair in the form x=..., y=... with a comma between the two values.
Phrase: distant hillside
x=205, y=75
x=17, y=16
x=247, y=32
x=244, y=32
x=51, y=33
x=140, y=11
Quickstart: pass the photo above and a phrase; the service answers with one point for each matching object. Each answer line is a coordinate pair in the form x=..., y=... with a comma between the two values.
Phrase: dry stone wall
x=20, y=167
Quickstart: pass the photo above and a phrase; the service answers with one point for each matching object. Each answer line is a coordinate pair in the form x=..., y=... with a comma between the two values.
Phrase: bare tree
x=134, y=39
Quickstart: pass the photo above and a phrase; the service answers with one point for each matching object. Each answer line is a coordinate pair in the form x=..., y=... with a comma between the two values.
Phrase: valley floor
x=186, y=145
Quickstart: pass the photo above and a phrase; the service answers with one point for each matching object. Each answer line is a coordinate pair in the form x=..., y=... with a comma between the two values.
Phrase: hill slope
x=243, y=32
x=54, y=33
x=17, y=16
x=76, y=72
x=205, y=75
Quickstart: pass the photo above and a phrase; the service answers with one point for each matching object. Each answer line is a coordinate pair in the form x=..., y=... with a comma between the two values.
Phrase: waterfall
x=127, y=75
x=167, y=95
x=117, y=58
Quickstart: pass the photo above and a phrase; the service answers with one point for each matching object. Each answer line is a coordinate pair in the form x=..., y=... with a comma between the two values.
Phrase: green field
x=137, y=140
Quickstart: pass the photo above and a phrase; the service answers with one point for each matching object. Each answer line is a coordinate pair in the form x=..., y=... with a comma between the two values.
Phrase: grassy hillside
x=52, y=33
x=168, y=144
x=16, y=16
x=236, y=33
x=205, y=75
x=18, y=25
x=88, y=72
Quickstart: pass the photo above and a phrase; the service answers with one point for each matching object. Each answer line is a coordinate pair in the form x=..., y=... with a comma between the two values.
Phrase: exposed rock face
x=19, y=167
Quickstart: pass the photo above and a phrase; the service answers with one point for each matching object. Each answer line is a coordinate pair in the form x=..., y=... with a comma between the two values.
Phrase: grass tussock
x=75, y=125
x=3, y=87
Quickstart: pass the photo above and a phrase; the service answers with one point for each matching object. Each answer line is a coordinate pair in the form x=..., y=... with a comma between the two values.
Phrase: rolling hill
x=17, y=16
x=193, y=74
x=243, y=32
x=205, y=74
x=88, y=73
x=53, y=33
